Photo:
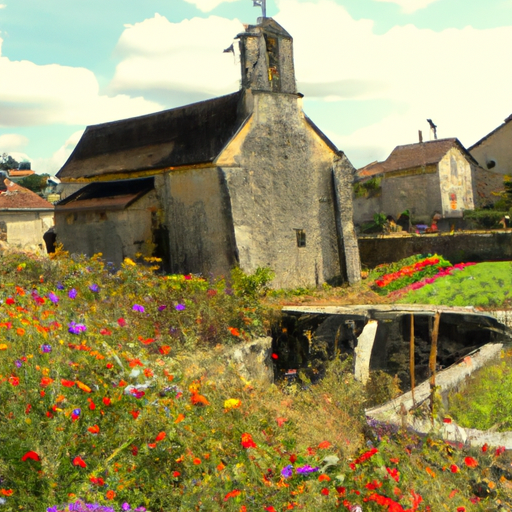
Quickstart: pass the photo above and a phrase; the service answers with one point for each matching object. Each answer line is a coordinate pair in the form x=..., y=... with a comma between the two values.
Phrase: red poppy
x=234, y=331
x=30, y=455
x=147, y=341
x=325, y=491
x=247, y=441
x=67, y=383
x=164, y=349
x=454, y=468
x=78, y=461
x=121, y=322
x=160, y=436
x=45, y=381
x=107, y=401
x=198, y=399
x=232, y=494
x=470, y=462
x=14, y=381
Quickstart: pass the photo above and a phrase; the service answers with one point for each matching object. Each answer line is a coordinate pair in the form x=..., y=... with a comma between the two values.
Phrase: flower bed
x=411, y=273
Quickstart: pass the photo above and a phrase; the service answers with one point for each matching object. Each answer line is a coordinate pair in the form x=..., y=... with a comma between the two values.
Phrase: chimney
x=420, y=136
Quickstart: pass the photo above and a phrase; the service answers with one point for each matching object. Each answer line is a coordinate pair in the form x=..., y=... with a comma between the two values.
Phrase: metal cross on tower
x=262, y=4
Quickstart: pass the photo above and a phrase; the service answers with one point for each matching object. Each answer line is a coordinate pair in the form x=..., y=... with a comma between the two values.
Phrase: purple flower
x=53, y=297
x=72, y=293
x=179, y=307
x=52, y=509
x=46, y=349
x=138, y=307
x=306, y=469
x=287, y=471
x=75, y=328
x=162, y=307
x=60, y=286
x=94, y=288
x=125, y=506
x=77, y=412
x=18, y=363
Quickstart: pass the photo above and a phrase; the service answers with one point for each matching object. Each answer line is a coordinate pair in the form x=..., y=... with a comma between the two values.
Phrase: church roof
x=193, y=134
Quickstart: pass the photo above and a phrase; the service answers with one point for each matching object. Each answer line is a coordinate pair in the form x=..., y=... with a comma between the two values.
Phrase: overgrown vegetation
x=368, y=188
x=484, y=219
x=116, y=390
x=483, y=402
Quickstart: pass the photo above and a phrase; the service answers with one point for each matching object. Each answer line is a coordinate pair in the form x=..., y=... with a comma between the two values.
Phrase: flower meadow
x=117, y=395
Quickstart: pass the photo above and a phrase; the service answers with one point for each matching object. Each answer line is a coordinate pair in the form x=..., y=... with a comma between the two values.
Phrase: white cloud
x=455, y=77
x=10, y=142
x=3, y=6
x=410, y=6
x=52, y=164
x=39, y=95
x=207, y=5
x=185, y=57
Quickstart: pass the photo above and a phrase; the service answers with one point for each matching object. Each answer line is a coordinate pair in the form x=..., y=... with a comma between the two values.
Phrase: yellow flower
x=232, y=403
x=129, y=263
x=3, y=346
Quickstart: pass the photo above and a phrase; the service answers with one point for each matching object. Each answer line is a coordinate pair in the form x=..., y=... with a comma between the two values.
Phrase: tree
x=7, y=162
x=35, y=182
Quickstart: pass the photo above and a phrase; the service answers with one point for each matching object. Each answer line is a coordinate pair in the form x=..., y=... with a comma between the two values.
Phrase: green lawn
x=486, y=285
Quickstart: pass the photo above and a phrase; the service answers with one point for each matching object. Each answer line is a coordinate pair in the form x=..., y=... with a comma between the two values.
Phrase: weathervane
x=262, y=4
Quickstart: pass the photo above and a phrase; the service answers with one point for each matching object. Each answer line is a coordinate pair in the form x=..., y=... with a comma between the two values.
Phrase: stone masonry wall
x=282, y=185
x=456, y=248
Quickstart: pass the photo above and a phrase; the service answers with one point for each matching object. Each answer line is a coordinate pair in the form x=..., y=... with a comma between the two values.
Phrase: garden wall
x=457, y=247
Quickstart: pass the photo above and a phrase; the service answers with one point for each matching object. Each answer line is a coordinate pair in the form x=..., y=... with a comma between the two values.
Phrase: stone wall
x=459, y=247
x=117, y=234
x=198, y=216
x=281, y=188
x=23, y=229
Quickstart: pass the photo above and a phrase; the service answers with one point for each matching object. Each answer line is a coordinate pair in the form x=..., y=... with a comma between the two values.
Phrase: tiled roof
x=193, y=134
x=411, y=156
x=16, y=173
x=483, y=139
x=18, y=197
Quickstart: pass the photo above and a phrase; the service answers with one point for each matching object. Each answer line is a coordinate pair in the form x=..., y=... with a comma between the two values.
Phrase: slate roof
x=107, y=195
x=193, y=134
x=411, y=156
x=17, y=197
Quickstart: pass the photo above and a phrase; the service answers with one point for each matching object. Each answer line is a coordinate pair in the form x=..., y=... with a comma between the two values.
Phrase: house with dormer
x=245, y=179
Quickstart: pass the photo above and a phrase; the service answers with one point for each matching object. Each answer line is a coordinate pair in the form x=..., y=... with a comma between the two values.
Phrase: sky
x=371, y=71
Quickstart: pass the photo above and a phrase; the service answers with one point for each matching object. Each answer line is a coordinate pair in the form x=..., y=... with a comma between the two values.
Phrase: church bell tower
x=266, y=58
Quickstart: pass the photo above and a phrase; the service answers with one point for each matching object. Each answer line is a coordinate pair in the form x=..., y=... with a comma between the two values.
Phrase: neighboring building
x=494, y=151
x=18, y=174
x=437, y=178
x=24, y=216
x=242, y=179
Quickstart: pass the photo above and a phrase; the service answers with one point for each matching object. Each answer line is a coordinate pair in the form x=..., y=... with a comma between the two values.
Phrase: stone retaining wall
x=458, y=247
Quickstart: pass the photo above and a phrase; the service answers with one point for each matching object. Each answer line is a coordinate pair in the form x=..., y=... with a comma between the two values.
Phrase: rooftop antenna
x=262, y=4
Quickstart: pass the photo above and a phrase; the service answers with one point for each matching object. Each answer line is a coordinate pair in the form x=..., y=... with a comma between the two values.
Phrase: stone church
x=245, y=179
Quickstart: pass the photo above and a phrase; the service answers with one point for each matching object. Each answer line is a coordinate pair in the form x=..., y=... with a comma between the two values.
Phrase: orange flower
x=234, y=331
x=324, y=445
x=45, y=381
x=20, y=331
x=430, y=472
x=324, y=478
x=164, y=349
x=83, y=386
x=94, y=429
x=6, y=492
x=232, y=494
x=180, y=418
x=198, y=399
x=196, y=461
x=160, y=436
x=220, y=466
x=110, y=495
x=3, y=346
